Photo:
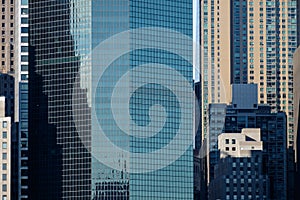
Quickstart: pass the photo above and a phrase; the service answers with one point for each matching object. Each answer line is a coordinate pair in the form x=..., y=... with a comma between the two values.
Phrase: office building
x=13, y=71
x=197, y=118
x=7, y=89
x=66, y=152
x=239, y=172
x=8, y=64
x=245, y=112
x=297, y=117
x=22, y=50
x=5, y=159
x=249, y=41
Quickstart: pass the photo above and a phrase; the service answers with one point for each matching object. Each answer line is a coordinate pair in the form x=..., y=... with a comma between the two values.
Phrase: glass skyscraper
x=110, y=92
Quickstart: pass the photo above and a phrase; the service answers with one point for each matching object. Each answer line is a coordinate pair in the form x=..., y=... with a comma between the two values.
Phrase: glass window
x=4, y=188
x=4, y=134
x=24, y=49
x=24, y=30
x=24, y=68
x=4, y=145
x=24, y=58
x=24, y=2
x=4, y=177
x=4, y=124
x=24, y=39
x=24, y=20
x=4, y=166
x=24, y=11
x=4, y=156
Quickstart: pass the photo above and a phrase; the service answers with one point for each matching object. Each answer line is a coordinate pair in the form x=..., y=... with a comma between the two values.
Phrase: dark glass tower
x=82, y=145
x=239, y=71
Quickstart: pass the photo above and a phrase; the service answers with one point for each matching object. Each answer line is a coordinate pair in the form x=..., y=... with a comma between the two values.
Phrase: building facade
x=5, y=161
x=248, y=41
x=66, y=38
x=7, y=37
x=22, y=50
x=239, y=172
x=244, y=113
x=296, y=117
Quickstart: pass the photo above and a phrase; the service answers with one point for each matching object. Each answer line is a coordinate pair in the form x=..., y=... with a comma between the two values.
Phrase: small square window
x=4, y=177
x=4, y=188
x=4, y=124
x=4, y=166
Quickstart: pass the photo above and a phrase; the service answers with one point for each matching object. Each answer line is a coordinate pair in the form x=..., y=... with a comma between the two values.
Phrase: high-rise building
x=79, y=147
x=248, y=41
x=297, y=117
x=14, y=72
x=197, y=118
x=239, y=173
x=5, y=159
x=22, y=50
x=245, y=112
x=8, y=64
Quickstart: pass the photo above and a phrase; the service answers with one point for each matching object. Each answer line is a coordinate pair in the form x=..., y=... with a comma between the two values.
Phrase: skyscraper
x=83, y=141
x=239, y=173
x=248, y=41
x=5, y=161
x=14, y=72
x=245, y=112
x=7, y=37
x=297, y=106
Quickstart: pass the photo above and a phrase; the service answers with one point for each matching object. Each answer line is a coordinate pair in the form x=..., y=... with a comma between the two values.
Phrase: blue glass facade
x=239, y=71
x=83, y=96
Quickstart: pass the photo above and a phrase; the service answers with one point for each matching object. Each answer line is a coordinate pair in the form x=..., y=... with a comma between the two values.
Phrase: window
x=24, y=49
x=4, y=124
x=24, y=20
x=24, y=58
x=4, y=166
x=24, y=11
x=233, y=141
x=4, y=188
x=24, y=39
x=24, y=30
x=4, y=197
x=24, y=68
x=4, y=134
x=227, y=141
x=4, y=145
x=4, y=156
x=4, y=177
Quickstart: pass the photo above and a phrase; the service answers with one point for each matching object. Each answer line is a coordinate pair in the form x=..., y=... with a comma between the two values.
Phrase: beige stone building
x=249, y=41
x=7, y=36
x=5, y=153
x=236, y=145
